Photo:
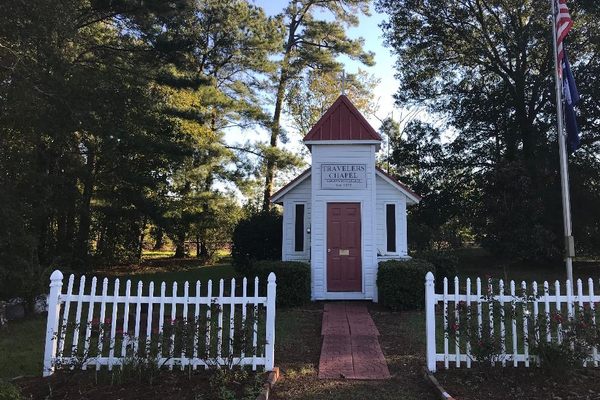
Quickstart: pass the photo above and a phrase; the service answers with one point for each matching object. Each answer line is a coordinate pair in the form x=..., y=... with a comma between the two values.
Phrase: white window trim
x=397, y=236
x=305, y=245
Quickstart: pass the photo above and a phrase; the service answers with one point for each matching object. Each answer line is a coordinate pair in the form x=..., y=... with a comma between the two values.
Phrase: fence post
x=52, y=322
x=270, y=345
x=430, y=320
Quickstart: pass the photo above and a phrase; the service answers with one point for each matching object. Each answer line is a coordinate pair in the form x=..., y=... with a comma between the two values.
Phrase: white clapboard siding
x=355, y=154
x=525, y=305
x=388, y=194
x=301, y=194
x=116, y=336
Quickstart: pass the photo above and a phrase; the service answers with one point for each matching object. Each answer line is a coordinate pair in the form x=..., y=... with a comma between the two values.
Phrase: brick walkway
x=350, y=345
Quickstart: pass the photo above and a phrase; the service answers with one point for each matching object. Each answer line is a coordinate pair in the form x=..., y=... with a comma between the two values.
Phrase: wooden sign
x=343, y=176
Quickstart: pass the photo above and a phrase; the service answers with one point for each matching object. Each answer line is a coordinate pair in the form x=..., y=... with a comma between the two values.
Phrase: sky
x=383, y=69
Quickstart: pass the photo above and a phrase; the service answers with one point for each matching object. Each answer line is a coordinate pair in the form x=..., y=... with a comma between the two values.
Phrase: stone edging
x=439, y=390
x=268, y=385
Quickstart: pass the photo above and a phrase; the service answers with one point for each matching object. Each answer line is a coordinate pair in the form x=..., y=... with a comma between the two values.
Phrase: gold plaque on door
x=344, y=252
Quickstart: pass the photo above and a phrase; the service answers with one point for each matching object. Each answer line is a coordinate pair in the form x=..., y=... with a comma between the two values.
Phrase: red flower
x=557, y=318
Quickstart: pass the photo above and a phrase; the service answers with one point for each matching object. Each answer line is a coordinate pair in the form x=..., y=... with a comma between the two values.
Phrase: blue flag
x=571, y=100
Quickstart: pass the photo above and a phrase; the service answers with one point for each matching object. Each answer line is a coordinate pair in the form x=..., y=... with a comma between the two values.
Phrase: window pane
x=299, y=228
x=390, y=224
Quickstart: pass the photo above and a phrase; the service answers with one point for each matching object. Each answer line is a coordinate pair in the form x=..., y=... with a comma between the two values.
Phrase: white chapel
x=344, y=215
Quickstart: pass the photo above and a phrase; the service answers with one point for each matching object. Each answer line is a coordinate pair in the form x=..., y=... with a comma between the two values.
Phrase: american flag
x=563, y=26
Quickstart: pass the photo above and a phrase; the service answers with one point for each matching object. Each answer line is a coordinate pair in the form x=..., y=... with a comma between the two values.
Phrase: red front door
x=344, y=269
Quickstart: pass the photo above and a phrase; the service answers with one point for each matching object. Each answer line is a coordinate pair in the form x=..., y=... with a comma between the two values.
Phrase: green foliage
x=8, y=391
x=419, y=159
x=309, y=98
x=224, y=382
x=483, y=344
x=20, y=271
x=293, y=280
x=556, y=343
x=578, y=335
x=445, y=265
x=401, y=283
x=492, y=85
x=257, y=237
x=314, y=36
x=113, y=121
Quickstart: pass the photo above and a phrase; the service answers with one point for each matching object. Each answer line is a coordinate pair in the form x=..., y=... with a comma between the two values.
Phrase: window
x=390, y=227
x=299, y=228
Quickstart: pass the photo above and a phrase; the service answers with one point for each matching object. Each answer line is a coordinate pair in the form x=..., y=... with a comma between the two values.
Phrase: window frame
x=294, y=230
x=386, y=228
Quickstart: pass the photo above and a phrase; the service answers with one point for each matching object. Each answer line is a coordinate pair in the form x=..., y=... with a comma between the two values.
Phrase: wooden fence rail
x=514, y=318
x=184, y=330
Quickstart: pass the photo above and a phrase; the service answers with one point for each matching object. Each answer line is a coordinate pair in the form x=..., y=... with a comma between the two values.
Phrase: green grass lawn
x=298, y=339
x=22, y=342
x=22, y=347
x=172, y=270
x=477, y=262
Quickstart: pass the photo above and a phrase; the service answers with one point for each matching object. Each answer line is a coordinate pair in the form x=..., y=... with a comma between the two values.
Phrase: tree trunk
x=85, y=219
x=276, y=122
x=180, y=246
x=197, y=246
x=141, y=242
x=275, y=130
x=160, y=239
x=202, y=248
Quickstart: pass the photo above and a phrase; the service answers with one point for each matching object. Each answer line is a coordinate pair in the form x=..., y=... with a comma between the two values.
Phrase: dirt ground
x=401, y=343
x=298, y=346
x=520, y=383
x=167, y=385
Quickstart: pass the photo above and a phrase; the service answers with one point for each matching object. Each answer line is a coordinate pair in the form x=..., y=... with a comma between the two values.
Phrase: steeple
x=342, y=122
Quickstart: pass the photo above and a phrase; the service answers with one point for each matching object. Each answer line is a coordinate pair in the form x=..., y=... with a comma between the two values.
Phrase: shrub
x=257, y=237
x=445, y=264
x=401, y=283
x=293, y=280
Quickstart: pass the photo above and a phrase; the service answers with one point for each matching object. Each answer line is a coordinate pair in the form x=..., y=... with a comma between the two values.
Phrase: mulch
x=520, y=383
x=84, y=385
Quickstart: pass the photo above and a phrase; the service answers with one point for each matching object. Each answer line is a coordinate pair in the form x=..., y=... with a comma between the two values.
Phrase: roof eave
x=278, y=195
x=412, y=197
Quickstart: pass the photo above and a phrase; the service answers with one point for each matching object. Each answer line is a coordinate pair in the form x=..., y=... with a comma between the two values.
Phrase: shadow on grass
x=22, y=347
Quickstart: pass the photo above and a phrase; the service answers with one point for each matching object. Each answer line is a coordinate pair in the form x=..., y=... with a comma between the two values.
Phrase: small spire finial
x=344, y=82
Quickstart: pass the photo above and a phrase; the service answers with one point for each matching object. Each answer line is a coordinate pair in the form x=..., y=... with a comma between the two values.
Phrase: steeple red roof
x=342, y=122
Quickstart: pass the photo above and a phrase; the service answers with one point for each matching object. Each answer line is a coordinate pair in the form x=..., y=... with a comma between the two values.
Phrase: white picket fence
x=526, y=306
x=91, y=329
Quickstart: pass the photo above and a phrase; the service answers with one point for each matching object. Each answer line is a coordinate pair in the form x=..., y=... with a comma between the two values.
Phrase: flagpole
x=564, y=168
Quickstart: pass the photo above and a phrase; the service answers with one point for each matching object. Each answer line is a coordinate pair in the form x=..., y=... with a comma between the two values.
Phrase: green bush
x=293, y=280
x=8, y=391
x=257, y=237
x=401, y=283
x=445, y=263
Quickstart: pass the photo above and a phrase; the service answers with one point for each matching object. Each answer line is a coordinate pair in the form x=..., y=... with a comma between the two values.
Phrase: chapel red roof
x=342, y=121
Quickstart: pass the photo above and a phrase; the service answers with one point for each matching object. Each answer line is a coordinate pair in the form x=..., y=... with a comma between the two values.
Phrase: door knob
x=329, y=250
